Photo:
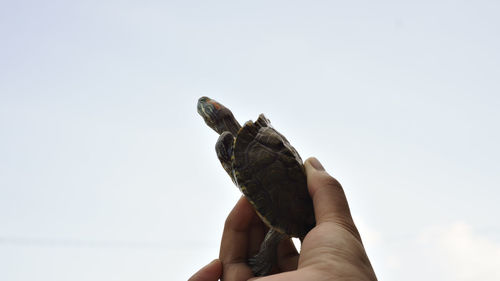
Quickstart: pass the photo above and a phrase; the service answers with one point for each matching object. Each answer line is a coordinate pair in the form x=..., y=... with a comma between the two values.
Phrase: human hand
x=332, y=250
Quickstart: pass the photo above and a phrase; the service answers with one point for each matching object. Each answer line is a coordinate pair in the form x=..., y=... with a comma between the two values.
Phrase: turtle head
x=217, y=116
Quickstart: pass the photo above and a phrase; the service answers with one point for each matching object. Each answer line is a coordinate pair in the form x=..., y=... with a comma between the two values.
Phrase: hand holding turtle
x=332, y=250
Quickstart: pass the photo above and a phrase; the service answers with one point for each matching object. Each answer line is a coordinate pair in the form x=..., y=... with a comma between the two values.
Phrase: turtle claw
x=263, y=262
x=260, y=265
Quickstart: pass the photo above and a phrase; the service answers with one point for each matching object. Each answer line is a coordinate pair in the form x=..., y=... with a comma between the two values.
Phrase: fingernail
x=316, y=164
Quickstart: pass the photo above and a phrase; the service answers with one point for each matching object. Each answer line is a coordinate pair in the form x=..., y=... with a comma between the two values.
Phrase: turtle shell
x=270, y=173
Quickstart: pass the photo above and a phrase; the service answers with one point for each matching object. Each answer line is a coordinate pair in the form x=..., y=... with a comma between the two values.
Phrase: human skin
x=332, y=250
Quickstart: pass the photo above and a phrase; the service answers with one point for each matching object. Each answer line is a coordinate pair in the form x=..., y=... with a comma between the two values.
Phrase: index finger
x=237, y=241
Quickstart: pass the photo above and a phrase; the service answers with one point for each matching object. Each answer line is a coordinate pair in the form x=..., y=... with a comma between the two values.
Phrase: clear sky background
x=108, y=173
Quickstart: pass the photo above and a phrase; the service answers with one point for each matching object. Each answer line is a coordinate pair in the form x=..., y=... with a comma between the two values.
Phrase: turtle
x=270, y=174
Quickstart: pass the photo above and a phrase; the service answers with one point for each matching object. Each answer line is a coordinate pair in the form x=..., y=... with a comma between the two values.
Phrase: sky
x=108, y=173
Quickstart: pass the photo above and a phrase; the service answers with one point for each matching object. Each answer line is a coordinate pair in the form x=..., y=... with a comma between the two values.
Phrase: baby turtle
x=268, y=171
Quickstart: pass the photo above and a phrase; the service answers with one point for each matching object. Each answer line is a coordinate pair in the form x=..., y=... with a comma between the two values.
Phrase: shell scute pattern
x=270, y=174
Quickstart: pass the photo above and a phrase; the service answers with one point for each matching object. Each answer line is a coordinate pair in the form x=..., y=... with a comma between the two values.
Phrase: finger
x=257, y=232
x=288, y=257
x=299, y=275
x=235, y=240
x=327, y=194
x=329, y=200
x=210, y=272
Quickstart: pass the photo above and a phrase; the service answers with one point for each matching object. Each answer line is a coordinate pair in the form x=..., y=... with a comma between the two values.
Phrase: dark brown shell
x=270, y=173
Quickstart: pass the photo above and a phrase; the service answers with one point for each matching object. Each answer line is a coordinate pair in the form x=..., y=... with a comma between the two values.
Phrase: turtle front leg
x=263, y=262
x=224, y=150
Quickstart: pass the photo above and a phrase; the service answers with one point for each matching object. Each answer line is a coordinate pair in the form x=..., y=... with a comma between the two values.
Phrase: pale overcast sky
x=108, y=173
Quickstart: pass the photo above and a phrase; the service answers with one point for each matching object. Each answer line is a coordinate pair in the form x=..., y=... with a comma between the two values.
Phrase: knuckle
x=323, y=181
x=327, y=182
x=331, y=182
x=348, y=225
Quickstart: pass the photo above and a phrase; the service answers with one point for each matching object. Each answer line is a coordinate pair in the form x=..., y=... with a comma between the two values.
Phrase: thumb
x=329, y=200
